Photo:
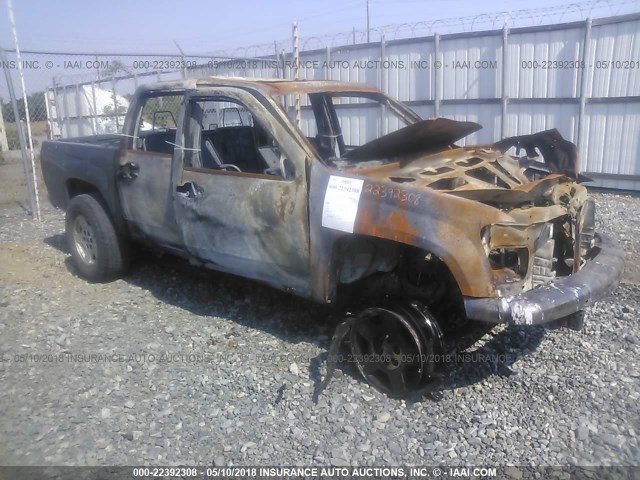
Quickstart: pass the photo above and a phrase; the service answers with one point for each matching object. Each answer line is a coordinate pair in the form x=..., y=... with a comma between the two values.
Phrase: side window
x=222, y=134
x=157, y=125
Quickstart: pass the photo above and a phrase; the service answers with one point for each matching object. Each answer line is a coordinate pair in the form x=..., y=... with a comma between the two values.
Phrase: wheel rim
x=84, y=240
x=396, y=348
x=387, y=351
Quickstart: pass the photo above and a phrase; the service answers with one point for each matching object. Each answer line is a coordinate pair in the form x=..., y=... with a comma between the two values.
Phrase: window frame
x=204, y=97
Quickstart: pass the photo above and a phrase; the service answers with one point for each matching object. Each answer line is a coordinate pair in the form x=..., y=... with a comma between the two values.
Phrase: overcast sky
x=135, y=26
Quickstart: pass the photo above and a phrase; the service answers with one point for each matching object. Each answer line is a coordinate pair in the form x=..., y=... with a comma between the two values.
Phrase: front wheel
x=398, y=348
x=98, y=251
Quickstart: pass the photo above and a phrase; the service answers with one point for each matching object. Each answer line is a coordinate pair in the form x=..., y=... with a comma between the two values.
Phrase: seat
x=211, y=158
x=236, y=146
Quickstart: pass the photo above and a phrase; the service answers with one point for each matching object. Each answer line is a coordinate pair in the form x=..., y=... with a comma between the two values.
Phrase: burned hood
x=557, y=154
x=482, y=174
x=426, y=136
x=547, y=152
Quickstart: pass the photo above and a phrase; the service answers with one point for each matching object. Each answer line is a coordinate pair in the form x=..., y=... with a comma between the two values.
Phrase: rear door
x=241, y=200
x=145, y=183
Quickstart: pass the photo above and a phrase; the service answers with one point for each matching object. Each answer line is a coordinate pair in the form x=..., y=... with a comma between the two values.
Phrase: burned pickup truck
x=352, y=200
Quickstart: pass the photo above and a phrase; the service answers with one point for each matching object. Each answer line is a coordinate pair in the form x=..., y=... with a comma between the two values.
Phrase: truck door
x=241, y=201
x=145, y=183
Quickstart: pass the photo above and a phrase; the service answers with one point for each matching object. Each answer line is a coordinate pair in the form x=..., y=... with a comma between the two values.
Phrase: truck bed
x=71, y=165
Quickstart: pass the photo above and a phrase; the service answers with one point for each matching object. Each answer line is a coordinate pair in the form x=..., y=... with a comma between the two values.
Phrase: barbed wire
x=484, y=21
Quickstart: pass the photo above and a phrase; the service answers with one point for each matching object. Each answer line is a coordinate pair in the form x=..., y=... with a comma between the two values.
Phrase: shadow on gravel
x=58, y=242
x=208, y=293
x=495, y=357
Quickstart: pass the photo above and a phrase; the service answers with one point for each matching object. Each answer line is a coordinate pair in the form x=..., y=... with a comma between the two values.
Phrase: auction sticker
x=341, y=203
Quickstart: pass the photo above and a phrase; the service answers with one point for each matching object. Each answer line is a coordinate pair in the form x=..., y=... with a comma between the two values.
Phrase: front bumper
x=562, y=297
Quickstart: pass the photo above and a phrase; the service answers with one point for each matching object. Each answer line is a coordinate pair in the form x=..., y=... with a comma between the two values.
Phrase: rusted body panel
x=398, y=204
x=501, y=224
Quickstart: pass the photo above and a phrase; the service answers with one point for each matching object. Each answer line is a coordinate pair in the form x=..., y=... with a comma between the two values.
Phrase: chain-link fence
x=80, y=94
x=74, y=95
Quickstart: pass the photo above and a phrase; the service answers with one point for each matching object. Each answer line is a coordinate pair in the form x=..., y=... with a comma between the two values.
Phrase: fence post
x=436, y=75
x=79, y=110
x=383, y=53
x=55, y=119
x=296, y=73
x=115, y=102
x=34, y=179
x=504, y=97
x=4, y=144
x=66, y=120
x=184, y=66
x=95, y=107
x=275, y=56
x=383, y=84
x=21, y=139
x=327, y=71
x=583, y=83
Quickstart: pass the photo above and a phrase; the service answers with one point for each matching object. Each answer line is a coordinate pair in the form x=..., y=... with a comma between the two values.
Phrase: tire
x=98, y=251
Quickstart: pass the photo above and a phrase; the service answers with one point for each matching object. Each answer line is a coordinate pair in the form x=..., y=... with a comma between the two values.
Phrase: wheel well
x=359, y=259
x=77, y=187
x=369, y=269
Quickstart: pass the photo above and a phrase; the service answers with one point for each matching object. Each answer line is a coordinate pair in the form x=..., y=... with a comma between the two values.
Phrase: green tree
x=37, y=108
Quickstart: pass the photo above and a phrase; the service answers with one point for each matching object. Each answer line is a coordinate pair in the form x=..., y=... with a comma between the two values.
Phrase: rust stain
x=394, y=226
x=403, y=230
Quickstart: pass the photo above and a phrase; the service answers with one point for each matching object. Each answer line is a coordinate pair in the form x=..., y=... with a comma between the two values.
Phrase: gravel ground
x=175, y=365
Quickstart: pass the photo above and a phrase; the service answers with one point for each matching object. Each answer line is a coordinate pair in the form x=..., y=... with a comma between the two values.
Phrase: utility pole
x=368, y=37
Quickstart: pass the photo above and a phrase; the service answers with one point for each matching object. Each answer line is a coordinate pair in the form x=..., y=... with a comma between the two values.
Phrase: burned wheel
x=398, y=348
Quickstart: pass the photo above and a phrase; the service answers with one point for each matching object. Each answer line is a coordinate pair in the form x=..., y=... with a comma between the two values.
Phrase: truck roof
x=267, y=86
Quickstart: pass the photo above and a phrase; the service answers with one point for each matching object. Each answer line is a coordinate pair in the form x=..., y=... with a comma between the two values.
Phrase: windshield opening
x=337, y=123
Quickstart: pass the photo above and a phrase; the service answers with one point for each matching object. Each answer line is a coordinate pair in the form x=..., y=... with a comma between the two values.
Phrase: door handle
x=128, y=171
x=189, y=190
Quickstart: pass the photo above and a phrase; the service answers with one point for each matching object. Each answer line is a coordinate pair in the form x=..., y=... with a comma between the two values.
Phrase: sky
x=232, y=28
x=145, y=26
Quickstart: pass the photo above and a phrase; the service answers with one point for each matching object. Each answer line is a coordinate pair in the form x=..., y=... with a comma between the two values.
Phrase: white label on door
x=341, y=203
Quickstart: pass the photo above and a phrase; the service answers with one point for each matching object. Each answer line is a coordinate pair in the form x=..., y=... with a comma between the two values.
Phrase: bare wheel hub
x=84, y=240
x=397, y=348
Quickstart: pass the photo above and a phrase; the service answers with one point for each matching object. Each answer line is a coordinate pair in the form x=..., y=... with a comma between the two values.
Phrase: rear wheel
x=98, y=251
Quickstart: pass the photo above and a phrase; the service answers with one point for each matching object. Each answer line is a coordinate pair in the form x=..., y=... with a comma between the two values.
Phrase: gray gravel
x=175, y=365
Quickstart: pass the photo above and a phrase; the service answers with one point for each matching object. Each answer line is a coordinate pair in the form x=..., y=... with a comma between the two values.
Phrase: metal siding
x=414, y=80
x=310, y=61
x=523, y=119
x=609, y=142
x=612, y=133
x=488, y=116
x=618, y=42
x=343, y=60
x=531, y=82
x=460, y=81
x=359, y=123
x=425, y=111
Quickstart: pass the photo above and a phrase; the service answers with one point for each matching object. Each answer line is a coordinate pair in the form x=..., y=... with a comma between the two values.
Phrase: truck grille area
x=543, y=259
x=556, y=253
